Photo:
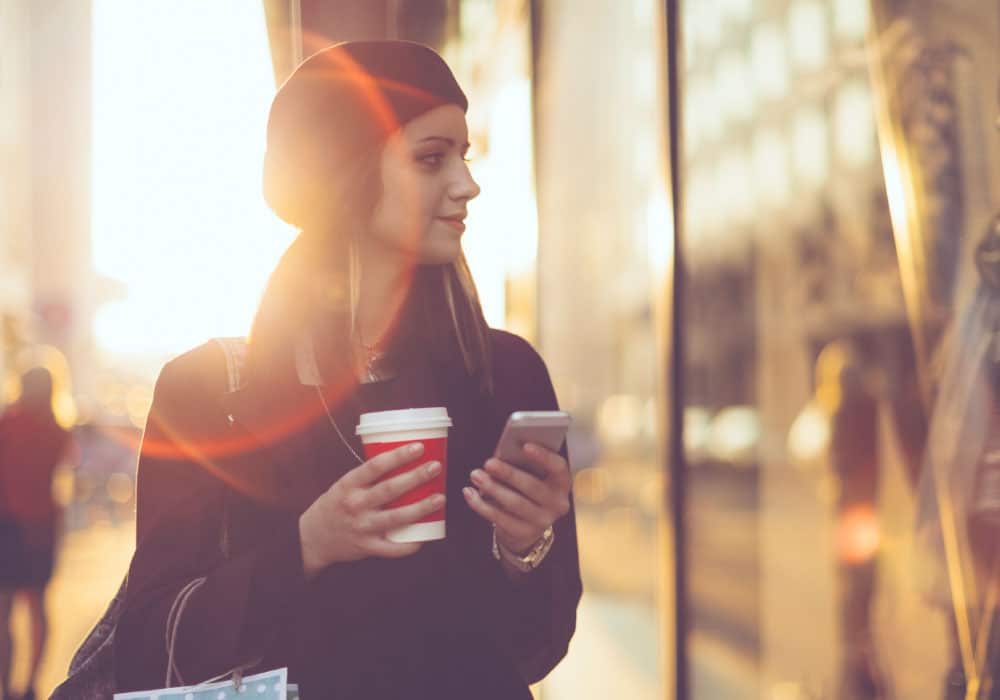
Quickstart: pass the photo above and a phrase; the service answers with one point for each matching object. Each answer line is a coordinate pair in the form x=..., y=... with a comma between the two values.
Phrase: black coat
x=443, y=623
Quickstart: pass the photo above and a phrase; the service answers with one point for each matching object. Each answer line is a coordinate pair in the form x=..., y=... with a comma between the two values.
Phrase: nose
x=464, y=188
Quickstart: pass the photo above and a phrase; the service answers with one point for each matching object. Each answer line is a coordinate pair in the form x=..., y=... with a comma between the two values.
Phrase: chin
x=440, y=255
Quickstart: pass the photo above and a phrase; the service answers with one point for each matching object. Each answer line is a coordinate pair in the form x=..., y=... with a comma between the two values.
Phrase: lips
x=456, y=222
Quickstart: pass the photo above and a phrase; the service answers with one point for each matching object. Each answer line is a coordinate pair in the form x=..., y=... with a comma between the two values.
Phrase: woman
x=260, y=491
x=32, y=445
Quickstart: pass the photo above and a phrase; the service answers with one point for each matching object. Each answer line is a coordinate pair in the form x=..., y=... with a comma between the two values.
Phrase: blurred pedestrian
x=32, y=446
x=255, y=507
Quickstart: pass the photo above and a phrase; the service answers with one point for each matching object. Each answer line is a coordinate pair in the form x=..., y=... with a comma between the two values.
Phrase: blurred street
x=91, y=566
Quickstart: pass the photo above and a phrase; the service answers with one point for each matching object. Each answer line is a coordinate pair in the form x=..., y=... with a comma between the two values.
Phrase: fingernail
x=469, y=492
x=437, y=500
x=415, y=448
x=530, y=448
x=433, y=468
x=477, y=477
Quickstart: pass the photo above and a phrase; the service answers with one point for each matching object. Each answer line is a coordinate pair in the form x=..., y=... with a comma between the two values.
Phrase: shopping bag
x=272, y=685
x=231, y=685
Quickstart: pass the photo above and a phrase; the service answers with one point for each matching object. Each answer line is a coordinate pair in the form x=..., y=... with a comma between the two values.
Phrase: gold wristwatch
x=530, y=560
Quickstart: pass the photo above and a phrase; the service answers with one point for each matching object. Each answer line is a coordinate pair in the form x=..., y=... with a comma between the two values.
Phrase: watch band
x=532, y=558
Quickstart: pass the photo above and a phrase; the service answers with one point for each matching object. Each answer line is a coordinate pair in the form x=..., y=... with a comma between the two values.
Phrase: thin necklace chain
x=372, y=356
x=333, y=422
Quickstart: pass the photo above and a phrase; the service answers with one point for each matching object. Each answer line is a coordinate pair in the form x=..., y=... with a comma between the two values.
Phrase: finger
x=381, y=547
x=499, y=517
x=387, y=520
x=529, y=485
x=551, y=494
x=380, y=465
x=550, y=463
x=511, y=501
x=391, y=489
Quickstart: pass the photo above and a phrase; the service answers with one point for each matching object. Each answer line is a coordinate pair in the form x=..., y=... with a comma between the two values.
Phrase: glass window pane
x=841, y=362
x=603, y=249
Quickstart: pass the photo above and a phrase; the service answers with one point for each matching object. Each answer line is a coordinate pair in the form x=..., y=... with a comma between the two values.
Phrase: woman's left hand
x=520, y=504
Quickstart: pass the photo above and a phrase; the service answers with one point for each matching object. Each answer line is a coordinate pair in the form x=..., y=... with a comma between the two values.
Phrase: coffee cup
x=382, y=431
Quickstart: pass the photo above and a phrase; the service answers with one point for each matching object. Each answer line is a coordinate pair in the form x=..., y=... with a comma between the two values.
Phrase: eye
x=431, y=159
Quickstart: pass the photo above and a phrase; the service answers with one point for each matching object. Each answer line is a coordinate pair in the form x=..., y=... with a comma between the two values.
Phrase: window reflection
x=769, y=59
x=807, y=34
x=840, y=428
x=854, y=124
x=734, y=85
x=770, y=160
x=851, y=18
x=811, y=152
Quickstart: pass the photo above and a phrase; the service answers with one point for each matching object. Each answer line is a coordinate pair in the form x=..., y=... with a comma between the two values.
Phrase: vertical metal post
x=535, y=39
x=677, y=492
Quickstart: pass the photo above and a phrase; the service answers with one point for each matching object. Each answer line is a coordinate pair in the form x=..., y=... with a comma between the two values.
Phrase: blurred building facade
x=839, y=168
x=48, y=288
x=16, y=251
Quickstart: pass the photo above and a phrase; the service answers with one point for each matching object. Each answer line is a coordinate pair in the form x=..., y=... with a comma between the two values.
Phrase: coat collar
x=254, y=408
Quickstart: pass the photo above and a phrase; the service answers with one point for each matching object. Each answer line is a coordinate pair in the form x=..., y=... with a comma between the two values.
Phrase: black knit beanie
x=337, y=108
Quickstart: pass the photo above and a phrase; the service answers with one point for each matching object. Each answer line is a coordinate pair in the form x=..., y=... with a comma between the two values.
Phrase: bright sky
x=181, y=92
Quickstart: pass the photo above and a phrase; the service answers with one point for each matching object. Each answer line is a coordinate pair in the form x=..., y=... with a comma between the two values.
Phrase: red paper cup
x=386, y=430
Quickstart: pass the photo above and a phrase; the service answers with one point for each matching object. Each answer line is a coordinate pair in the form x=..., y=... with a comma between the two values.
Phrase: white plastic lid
x=406, y=419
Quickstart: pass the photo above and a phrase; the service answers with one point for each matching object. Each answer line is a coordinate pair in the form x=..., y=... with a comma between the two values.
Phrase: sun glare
x=180, y=98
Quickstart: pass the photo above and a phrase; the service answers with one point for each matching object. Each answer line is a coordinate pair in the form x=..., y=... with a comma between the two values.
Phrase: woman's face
x=425, y=188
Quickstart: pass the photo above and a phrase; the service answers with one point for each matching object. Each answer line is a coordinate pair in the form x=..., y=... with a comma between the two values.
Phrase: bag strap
x=173, y=625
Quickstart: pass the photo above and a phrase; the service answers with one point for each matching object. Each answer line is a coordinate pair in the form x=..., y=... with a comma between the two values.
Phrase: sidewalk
x=616, y=653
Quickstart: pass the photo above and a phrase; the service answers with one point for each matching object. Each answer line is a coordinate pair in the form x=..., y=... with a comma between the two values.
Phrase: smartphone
x=547, y=428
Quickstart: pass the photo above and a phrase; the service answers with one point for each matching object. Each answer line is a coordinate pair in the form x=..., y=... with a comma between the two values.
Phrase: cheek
x=404, y=221
x=411, y=200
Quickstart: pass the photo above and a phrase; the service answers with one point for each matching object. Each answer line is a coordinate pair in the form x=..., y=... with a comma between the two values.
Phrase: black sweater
x=232, y=473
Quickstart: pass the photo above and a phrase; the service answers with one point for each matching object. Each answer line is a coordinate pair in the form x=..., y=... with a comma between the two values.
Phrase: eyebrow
x=450, y=142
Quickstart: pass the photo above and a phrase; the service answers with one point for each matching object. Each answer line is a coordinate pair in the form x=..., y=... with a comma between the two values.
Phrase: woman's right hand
x=348, y=523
